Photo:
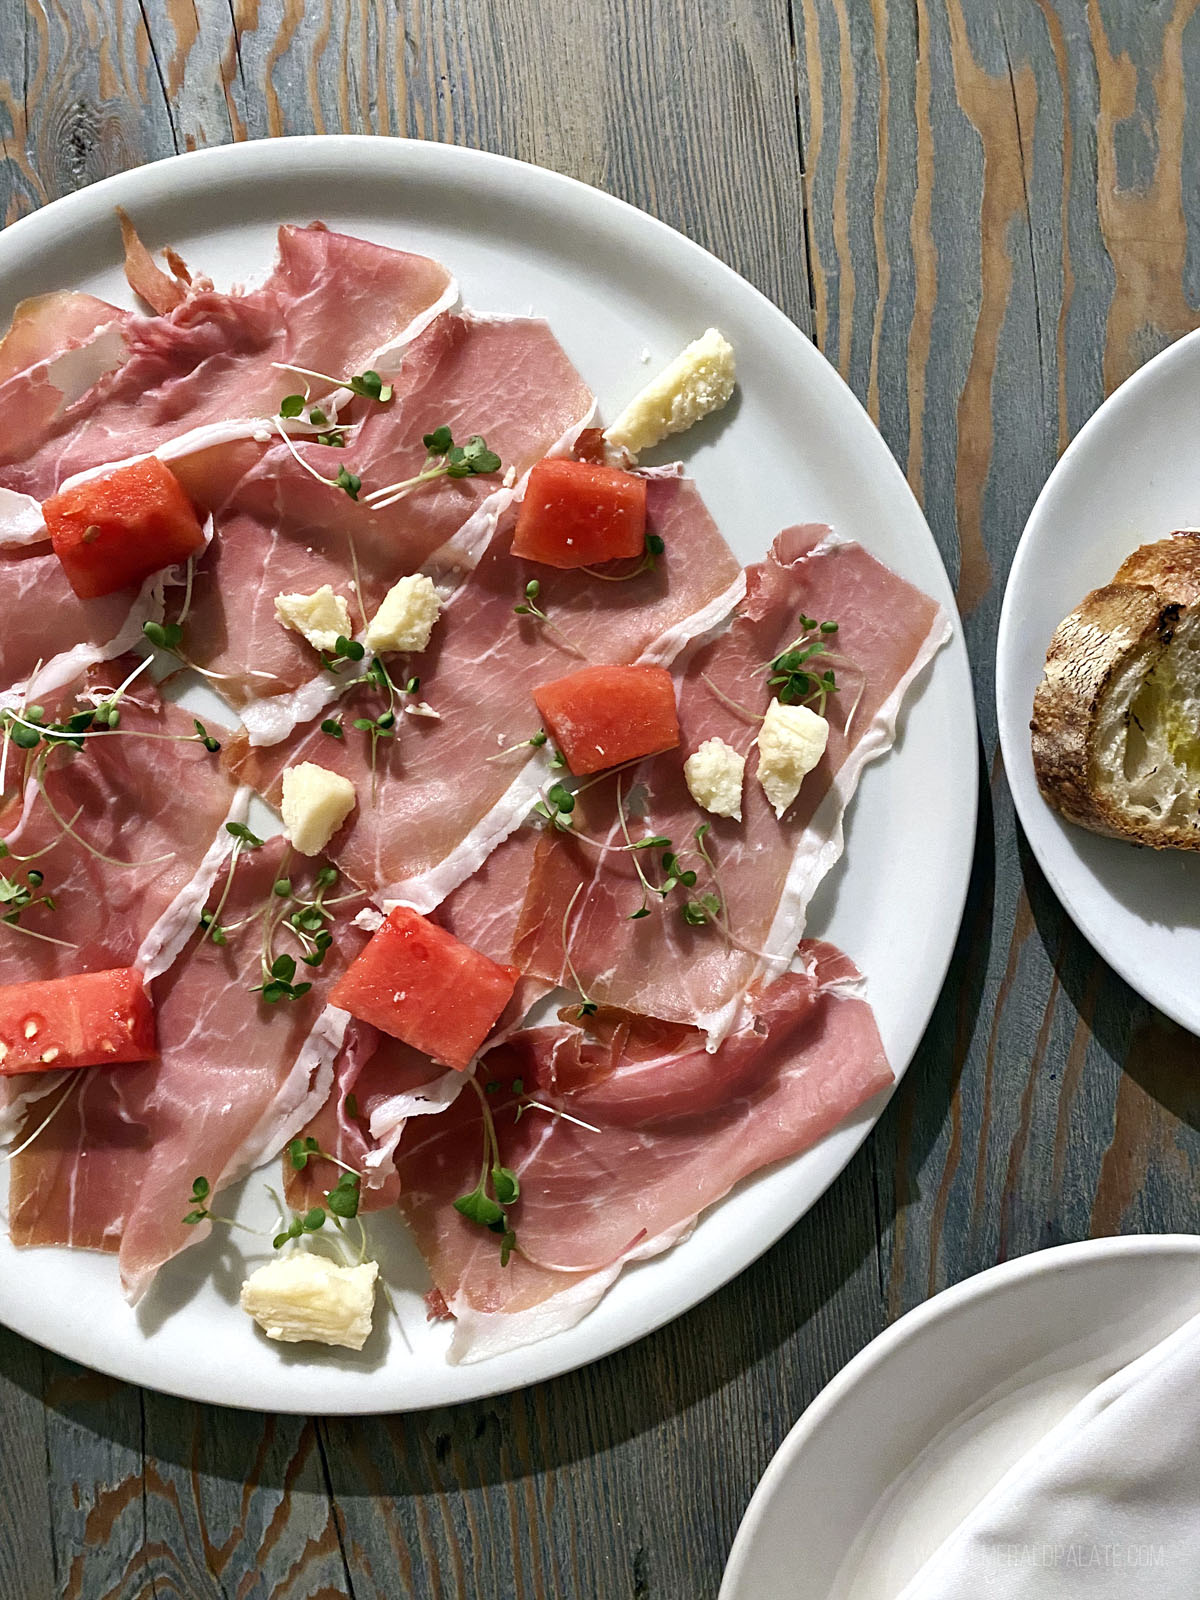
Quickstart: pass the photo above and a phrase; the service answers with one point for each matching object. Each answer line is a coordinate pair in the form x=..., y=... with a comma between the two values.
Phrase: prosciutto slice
x=672, y=1128
x=332, y=303
x=57, y=348
x=235, y=1080
x=283, y=532
x=448, y=789
x=379, y=1083
x=50, y=631
x=180, y=797
x=582, y=895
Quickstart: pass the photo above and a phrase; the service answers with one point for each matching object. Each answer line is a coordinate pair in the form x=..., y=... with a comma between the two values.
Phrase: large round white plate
x=1131, y=476
x=911, y=1435
x=797, y=445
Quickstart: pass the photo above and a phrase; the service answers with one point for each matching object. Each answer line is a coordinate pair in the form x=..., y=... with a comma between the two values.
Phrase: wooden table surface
x=977, y=209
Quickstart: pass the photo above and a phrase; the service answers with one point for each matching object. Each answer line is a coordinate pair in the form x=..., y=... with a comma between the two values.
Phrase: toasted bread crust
x=1171, y=566
x=1100, y=638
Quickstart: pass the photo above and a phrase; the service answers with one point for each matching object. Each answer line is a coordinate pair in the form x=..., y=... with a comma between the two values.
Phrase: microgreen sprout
x=205, y=738
x=312, y=1221
x=443, y=459
x=529, y=607
x=367, y=385
x=277, y=981
x=333, y=728
x=556, y=807
x=675, y=874
x=382, y=726
x=292, y=405
x=710, y=906
x=306, y=920
x=535, y=743
x=646, y=562
x=200, y=1211
x=795, y=681
x=210, y=921
x=344, y=651
x=587, y=1007
x=164, y=635
x=17, y=897
x=497, y=1189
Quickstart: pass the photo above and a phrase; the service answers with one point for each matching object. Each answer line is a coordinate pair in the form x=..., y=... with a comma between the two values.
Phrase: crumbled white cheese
x=307, y=1296
x=406, y=617
x=791, y=741
x=422, y=708
x=321, y=617
x=262, y=436
x=698, y=381
x=315, y=804
x=714, y=776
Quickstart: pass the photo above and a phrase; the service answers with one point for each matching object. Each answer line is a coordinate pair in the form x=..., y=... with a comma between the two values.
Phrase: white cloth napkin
x=1105, y=1507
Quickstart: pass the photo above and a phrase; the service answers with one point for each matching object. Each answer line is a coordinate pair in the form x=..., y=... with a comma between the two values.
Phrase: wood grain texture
x=979, y=211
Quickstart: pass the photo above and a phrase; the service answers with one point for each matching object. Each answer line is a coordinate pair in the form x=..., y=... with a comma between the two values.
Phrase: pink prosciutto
x=47, y=628
x=583, y=894
x=281, y=531
x=448, y=790
x=379, y=1083
x=673, y=1128
x=332, y=303
x=57, y=348
x=176, y=790
x=237, y=1078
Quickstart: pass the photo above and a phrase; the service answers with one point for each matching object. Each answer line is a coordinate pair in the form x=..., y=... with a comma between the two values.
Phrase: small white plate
x=911, y=1435
x=1131, y=476
x=795, y=446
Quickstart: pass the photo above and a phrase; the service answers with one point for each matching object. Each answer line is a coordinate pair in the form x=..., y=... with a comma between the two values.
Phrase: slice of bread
x=1116, y=717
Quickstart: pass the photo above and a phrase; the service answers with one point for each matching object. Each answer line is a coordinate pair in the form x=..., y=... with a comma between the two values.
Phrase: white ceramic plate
x=797, y=445
x=1131, y=476
x=911, y=1435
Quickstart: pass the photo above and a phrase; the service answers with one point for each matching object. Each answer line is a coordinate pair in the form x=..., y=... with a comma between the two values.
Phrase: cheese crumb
x=791, y=741
x=406, y=617
x=315, y=804
x=714, y=776
x=699, y=380
x=305, y=1296
x=321, y=617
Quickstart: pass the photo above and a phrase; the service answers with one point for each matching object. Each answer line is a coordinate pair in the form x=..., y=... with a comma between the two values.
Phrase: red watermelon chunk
x=420, y=984
x=111, y=533
x=602, y=716
x=576, y=514
x=91, y=1019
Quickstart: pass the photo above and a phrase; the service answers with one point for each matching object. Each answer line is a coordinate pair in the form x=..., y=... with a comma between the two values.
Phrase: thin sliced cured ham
x=448, y=789
x=672, y=1128
x=50, y=631
x=584, y=891
x=58, y=347
x=236, y=1079
x=379, y=1083
x=282, y=532
x=149, y=771
x=332, y=303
